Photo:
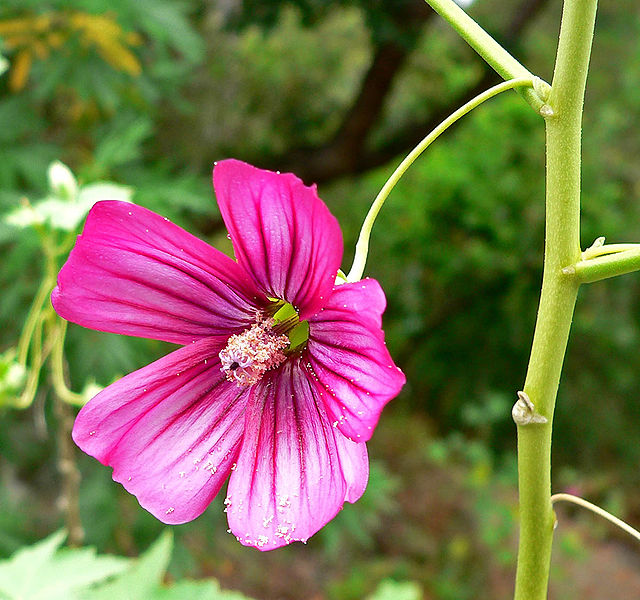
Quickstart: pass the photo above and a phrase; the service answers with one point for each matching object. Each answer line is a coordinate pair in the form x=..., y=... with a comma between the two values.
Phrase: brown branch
x=347, y=153
x=341, y=154
x=68, y=501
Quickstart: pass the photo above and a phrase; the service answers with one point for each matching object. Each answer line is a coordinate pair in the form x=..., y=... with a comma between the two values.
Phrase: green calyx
x=287, y=322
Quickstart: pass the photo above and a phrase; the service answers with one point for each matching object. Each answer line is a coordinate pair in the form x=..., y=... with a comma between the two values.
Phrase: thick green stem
x=558, y=297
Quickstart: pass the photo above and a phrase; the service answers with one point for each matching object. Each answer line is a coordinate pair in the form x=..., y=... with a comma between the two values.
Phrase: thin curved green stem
x=57, y=333
x=598, y=511
x=32, y=320
x=38, y=356
x=362, y=245
x=43, y=333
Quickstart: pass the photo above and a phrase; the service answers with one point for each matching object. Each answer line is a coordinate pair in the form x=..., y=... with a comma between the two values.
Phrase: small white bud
x=62, y=181
x=546, y=111
x=4, y=64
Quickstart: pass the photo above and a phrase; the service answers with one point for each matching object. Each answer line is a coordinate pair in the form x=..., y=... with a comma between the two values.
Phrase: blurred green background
x=149, y=93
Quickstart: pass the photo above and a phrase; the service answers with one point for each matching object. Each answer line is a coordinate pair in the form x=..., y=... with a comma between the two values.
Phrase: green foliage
x=357, y=525
x=395, y=590
x=143, y=577
x=45, y=571
x=392, y=20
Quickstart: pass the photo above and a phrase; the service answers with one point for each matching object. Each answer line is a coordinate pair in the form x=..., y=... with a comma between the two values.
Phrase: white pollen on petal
x=283, y=502
x=169, y=510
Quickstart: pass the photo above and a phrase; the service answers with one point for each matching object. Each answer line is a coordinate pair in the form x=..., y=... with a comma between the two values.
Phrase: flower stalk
x=362, y=245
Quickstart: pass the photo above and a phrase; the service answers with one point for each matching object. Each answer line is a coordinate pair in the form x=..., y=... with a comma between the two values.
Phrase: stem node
x=524, y=411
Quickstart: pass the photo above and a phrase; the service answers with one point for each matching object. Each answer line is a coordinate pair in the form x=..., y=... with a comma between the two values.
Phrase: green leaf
x=73, y=570
x=397, y=590
x=46, y=572
x=197, y=590
x=142, y=580
x=19, y=575
x=122, y=142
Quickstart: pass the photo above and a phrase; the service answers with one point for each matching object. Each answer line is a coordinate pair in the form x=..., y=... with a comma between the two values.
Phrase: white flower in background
x=66, y=205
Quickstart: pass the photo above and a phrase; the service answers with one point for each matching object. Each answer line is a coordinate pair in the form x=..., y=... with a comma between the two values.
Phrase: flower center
x=250, y=354
x=265, y=345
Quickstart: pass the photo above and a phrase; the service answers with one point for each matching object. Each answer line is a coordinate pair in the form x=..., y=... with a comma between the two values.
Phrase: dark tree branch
x=341, y=154
x=347, y=153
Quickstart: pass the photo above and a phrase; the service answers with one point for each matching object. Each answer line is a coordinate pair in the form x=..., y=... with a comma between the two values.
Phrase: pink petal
x=171, y=431
x=347, y=353
x=282, y=233
x=295, y=470
x=135, y=273
x=354, y=462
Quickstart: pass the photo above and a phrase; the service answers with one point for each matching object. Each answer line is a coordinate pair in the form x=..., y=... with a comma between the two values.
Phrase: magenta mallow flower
x=281, y=376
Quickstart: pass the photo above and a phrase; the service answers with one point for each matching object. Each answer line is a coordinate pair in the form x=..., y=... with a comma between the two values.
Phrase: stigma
x=250, y=354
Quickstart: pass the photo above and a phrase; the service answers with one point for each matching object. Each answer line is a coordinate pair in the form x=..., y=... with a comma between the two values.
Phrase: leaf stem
x=362, y=245
x=606, y=265
x=491, y=51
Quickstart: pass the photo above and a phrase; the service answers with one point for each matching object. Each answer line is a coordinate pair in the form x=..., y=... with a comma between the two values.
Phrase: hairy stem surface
x=558, y=297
